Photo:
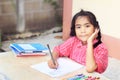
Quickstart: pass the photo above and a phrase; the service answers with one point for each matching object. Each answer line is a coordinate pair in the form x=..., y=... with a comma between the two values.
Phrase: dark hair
x=91, y=17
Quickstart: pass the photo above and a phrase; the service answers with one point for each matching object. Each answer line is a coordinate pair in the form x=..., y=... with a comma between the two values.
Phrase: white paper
x=65, y=66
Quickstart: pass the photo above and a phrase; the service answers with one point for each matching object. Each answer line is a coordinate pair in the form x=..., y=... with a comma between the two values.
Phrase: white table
x=18, y=68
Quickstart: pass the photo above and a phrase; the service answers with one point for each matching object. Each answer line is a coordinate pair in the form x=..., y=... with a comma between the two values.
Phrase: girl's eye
x=77, y=27
x=87, y=25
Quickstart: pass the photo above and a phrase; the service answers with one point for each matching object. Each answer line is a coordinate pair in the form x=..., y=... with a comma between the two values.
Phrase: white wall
x=107, y=13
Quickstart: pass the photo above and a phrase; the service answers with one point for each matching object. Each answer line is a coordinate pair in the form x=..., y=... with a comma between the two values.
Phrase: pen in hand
x=51, y=55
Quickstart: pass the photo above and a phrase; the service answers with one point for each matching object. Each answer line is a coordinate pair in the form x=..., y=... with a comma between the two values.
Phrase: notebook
x=22, y=49
x=65, y=66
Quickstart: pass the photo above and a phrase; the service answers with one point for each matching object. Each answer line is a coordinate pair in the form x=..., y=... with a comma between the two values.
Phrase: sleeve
x=65, y=48
x=101, y=57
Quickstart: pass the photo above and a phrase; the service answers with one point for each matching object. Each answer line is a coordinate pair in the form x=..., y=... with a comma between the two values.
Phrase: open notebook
x=65, y=66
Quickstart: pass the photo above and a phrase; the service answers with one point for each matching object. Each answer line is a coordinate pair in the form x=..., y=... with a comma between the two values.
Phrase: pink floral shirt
x=74, y=49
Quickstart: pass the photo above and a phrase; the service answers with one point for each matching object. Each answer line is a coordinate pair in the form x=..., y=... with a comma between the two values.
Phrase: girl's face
x=83, y=28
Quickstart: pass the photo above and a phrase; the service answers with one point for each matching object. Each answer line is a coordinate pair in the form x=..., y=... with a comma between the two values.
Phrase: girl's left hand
x=93, y=36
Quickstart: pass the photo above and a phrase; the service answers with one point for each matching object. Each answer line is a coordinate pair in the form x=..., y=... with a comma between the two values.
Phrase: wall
x=107, y=14
x=106, y=11
x=67, y=13
x=39, y=15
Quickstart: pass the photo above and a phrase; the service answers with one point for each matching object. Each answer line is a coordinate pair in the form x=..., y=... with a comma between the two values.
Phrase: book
x=27, y=49
x=66, y=66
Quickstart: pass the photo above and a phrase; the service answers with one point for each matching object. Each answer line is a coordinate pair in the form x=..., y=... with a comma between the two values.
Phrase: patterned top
x=74, y=49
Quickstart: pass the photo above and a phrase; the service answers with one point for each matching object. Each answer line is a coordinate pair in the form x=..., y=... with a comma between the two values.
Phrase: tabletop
x=18, y=68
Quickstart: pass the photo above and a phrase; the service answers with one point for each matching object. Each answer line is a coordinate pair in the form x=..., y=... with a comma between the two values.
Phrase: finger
x=56, y=64
x=95, y=34
x=96, y=31
x=50, y=64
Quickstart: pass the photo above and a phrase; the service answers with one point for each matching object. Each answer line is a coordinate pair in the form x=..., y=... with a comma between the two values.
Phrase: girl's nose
x=83, y=30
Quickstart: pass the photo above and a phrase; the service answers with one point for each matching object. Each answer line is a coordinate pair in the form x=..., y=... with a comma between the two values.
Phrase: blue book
x=21, y=49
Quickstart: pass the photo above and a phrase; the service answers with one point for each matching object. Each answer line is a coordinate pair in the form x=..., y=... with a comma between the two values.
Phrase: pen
x=51, y=54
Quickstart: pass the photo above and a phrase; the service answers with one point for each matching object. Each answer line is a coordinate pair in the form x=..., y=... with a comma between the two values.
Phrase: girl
x=85, y=45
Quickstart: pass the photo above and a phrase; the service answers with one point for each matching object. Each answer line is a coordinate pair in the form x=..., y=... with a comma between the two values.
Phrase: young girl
x=85, y=45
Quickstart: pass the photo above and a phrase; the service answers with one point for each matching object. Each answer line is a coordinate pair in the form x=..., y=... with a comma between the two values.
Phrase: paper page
x=65, y=66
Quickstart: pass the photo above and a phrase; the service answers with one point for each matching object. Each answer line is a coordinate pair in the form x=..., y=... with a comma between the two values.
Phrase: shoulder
x=102, y=45
x=101, y=48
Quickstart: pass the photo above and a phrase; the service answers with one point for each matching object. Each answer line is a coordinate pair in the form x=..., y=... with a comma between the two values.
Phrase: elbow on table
x=91, y=69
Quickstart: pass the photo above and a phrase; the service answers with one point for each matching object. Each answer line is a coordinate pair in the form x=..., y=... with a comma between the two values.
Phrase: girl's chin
x=83, y=40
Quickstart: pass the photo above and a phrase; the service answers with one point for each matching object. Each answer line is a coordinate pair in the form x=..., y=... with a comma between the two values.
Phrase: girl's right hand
x=93, y=36
x=51, y=64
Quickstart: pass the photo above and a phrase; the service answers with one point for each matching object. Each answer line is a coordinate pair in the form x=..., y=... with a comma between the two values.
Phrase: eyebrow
x=87, y=23
x=80, y=24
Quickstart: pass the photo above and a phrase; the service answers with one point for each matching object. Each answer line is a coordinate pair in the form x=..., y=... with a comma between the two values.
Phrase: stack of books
x=28, y=49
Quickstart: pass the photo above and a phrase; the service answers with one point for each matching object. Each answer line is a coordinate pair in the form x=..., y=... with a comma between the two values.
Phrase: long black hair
x=91, y=17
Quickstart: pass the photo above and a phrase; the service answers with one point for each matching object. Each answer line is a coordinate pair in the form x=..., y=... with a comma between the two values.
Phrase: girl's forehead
x=82, y=19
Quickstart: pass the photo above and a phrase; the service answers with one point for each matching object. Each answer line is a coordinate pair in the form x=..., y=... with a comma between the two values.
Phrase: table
x=18, y=68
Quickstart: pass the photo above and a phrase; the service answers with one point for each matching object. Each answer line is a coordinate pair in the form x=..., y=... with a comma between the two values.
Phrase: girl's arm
x=63, y=49
x=90, y=60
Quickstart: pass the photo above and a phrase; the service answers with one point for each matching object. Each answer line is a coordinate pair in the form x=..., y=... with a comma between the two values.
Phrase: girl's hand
x=51, y=64
x=93, y=36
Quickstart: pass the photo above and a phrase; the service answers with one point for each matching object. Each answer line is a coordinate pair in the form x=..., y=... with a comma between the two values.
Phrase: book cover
x=22, y=49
